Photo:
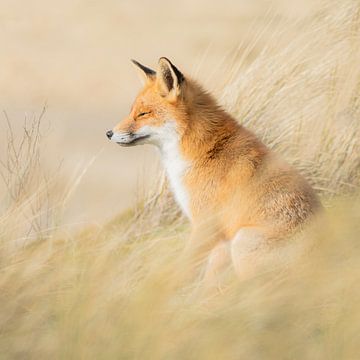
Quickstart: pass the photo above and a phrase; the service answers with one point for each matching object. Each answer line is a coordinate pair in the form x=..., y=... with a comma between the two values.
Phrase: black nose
x=109, y=134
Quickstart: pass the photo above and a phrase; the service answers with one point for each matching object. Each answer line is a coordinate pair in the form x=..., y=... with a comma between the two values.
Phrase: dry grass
x=119, y=291
x=302, y=95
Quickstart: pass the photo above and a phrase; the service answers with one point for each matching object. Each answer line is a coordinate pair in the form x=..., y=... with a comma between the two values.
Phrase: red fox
x=220, y=173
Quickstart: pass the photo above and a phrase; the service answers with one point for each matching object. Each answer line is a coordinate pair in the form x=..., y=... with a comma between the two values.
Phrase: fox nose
x=109, y=134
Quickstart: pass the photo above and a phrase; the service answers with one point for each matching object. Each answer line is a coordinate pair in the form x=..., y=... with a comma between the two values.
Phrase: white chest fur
x=175, y=166
x=167, y=139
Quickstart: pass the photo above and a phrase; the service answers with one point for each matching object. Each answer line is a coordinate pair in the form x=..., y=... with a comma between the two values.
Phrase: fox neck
x=175, y=165
x=189, y=140
x=204, y=134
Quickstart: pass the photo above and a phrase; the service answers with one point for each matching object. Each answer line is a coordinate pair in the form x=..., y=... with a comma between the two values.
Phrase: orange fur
x=233, y=180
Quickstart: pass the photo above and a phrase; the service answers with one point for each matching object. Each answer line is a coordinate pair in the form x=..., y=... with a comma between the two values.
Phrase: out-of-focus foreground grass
x=119, y=290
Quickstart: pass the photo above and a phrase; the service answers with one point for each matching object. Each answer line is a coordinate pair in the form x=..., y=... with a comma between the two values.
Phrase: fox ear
x=170, y=79
x=146, y=74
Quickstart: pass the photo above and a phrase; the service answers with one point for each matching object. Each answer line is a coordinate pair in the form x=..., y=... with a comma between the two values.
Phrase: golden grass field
x=120, y=289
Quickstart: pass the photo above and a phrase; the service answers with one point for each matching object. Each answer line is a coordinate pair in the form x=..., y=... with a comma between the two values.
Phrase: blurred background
x=74, y=285
x=74, y=56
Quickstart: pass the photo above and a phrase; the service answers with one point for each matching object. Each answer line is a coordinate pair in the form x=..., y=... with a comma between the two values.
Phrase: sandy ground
x=74, y=56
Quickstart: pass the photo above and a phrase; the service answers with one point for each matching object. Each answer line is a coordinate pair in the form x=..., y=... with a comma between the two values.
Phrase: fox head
x=159, y=109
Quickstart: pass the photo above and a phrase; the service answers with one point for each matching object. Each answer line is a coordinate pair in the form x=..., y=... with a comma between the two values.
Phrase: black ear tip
x=149, y=72
x=164, y=59
x=177, y=72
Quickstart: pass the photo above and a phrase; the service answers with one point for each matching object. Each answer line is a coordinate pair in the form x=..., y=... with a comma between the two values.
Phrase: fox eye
x=143, y=113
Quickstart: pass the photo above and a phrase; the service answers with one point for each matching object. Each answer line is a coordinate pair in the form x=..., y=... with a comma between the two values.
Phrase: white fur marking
x=120, y=137
x=176, y=167
x=166, y=138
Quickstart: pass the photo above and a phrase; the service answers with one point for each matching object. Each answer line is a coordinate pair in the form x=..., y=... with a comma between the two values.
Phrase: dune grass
x=121, y=290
